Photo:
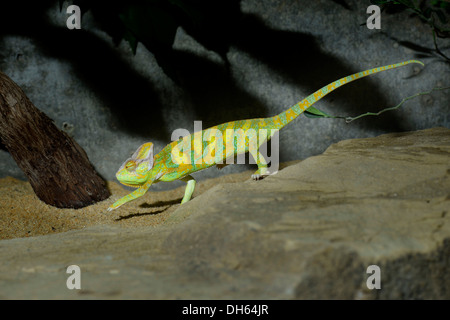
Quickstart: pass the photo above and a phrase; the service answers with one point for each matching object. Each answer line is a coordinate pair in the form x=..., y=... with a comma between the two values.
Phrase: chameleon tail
x=279, y=121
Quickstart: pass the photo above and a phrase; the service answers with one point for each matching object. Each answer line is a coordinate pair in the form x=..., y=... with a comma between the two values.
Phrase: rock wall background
x=111, y=101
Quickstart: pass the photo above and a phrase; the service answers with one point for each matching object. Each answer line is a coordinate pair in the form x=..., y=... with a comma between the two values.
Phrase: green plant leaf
x=312, y=112
x=440, y=3
x=427, y=13
x=441, y=16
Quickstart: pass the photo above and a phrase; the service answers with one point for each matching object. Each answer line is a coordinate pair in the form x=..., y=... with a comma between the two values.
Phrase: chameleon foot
x=260, y=174
x=257, y=177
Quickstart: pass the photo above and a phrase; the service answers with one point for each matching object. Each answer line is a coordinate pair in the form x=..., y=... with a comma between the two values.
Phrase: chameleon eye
x=130, y=165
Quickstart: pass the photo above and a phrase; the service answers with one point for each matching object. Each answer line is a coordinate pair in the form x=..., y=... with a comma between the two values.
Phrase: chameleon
x=144, y=169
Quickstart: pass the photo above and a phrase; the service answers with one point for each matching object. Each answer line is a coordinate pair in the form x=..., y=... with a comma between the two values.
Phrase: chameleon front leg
x=132, y=196
x=189, y=188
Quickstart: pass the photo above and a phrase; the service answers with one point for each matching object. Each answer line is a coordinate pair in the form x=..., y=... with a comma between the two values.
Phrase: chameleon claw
x=258, y=176
x=113, y=206
x=261, y=173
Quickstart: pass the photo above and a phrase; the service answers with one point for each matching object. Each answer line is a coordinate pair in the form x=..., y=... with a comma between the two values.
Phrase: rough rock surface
x=309, y=231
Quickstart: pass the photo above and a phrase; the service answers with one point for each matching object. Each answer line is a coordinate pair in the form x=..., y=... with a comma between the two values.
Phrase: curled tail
x=290, y=114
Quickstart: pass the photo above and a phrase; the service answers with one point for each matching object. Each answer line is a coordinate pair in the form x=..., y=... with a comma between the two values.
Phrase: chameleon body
x=144, y=169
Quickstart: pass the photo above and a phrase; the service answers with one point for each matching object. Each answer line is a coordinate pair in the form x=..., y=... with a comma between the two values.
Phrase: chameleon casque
x=144, y=169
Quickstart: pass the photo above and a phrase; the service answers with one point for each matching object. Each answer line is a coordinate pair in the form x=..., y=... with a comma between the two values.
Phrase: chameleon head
x=133, y=172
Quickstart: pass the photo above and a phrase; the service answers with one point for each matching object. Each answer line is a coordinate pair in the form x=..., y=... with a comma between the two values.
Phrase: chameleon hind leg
x=189, y=188
x=262, y=171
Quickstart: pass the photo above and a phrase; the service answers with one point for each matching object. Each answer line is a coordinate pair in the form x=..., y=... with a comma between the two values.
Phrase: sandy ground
x=22, y=214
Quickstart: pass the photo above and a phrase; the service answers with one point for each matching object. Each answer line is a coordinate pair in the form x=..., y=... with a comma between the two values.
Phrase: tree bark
x=56, y=166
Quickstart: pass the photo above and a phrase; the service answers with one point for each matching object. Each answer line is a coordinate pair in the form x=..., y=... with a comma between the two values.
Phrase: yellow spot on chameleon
x=276, y=121
x=290, y=115
x=246, y=125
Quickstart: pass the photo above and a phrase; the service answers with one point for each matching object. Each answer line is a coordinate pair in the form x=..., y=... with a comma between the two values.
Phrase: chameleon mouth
x=129, y=185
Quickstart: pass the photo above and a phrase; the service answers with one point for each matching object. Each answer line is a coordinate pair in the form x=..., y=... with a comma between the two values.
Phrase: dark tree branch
x=57, y=167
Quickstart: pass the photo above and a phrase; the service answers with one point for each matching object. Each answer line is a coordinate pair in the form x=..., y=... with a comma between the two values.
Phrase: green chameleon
x=193, y=153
